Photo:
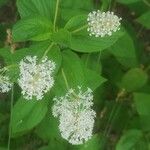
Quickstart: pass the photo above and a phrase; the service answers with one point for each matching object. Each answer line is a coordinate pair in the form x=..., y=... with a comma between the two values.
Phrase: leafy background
x=117, y=68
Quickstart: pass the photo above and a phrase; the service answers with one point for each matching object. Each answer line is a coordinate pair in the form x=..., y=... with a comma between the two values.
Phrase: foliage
x=116, y=68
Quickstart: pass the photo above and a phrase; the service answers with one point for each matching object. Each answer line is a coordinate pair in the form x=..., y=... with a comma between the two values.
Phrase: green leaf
x=35, y=28
x=62, y=37
x=27, y=114
x=92, y=61
x=85, y=43
x=82, y=42
x=74, y=73
x=76, y=22
x=125, y=53
x=142, y=104
x=129, y=140
x=143, y=19
x=48, y=128
x=44, y=8
x=93, y=79
x=95, y=143
x=134, y=79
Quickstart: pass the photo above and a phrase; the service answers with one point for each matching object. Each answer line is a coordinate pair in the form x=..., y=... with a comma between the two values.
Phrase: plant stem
x=113, y=118
x=11, y=107
x=48, y=49
x=65, y=79
x=114, y=111
x=56, y=14
x=66, y=83
x=79, y=29
x=110, y=118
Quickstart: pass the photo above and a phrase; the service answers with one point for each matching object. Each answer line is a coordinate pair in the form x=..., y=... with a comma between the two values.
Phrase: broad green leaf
x=73, y=73
x=142, y=103
x=35, y=28
x=125, y=51
x=93, y=80
x=134, y=79
x=48, y=128
x=92, y=61
x=129, y=139
x=143, y=19
x=44, y=8
x=82, y=42
x=61, y=37
x=95, y=143
x=27, y=114
x=76, y=22
x=85, y=43
x=67, y=13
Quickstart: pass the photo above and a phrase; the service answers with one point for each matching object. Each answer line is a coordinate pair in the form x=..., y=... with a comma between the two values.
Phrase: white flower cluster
x=36, y=78
x=76, y=117
x=5, y=84
x=101, y=24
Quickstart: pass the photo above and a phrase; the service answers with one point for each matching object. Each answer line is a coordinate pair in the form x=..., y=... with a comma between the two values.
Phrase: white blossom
x=101, y=24
x=36, y=77
x=5, y=84
x=76, y=117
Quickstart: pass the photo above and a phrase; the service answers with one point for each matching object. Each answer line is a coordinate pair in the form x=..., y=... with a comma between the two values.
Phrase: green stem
x=65, y=79
x=48, y=49
x=11, y=107
x=56, y=14
x=113, y=118
x=87, y=59
x=110, y=118
x=80, y=29
x=66, y=83
x=99, y=57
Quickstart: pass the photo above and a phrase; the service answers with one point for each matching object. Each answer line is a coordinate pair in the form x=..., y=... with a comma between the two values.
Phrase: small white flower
x=36, y=78
x=101, y=24
x=76, y=117
x=5, y=84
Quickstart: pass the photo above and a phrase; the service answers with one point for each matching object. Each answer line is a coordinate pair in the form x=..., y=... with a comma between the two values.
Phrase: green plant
x=85, y=67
